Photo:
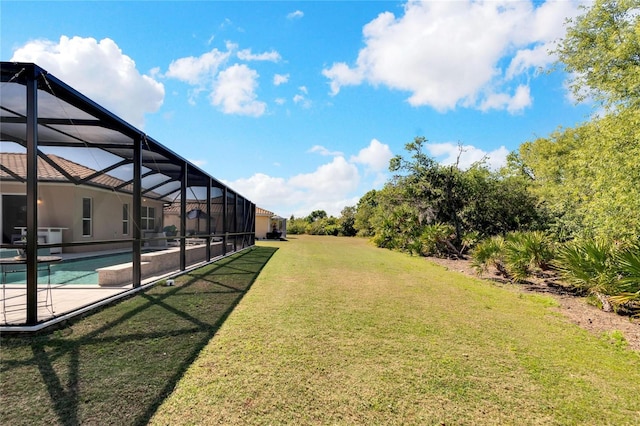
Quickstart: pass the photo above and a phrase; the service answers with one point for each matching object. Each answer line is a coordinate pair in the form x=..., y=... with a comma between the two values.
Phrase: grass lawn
x=335, y=331
x=330, y=331
x=115, y=367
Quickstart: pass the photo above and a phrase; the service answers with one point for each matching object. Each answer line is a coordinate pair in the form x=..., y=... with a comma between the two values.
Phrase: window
x=125, y=219
x=148, y=218
x=86, y=217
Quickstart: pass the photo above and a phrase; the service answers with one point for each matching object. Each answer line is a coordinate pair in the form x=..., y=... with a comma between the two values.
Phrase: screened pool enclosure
x=78, y=181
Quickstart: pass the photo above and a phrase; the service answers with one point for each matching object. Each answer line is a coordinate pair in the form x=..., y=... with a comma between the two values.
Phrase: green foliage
x=316, y=215
x=601, y=52
x=409, y=213
x=364, y=212
x=589, y=177
x=297, y=226
x=324, y=226
x=437, y=240
x=526, y=253
x=397, y=226
x=516, y=256
x=628, y=262
x=588, y=265
x=317, y=223
x=347, y=222
x=489, y=252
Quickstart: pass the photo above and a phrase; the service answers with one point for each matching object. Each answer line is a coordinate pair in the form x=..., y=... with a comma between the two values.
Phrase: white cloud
x=328, y=188
x=337, y=177
x=234, y=91
x=453, y=53
x=198, y=70
x=376, y=156
x=81, y=62
x=447, y=153
x=324, y=151
x=513, y=104
x=302, y=100
x=525, y=59
x=246, y=55
x=279, y=79
x=295, y=15
x=341, y=75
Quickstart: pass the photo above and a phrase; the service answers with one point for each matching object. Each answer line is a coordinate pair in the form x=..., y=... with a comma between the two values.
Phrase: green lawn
x=321, y=330
x=335, y=331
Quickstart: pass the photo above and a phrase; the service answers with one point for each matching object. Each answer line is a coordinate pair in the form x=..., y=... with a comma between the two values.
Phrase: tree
x=364, y=212
x=435, y=190
x=589, y=176
x=347, y=221
x=315, y=215
x=602, y=51
x=425, y=200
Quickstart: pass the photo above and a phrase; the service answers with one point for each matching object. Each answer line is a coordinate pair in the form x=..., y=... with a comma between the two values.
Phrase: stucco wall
x=262, y=226
x=61, y=206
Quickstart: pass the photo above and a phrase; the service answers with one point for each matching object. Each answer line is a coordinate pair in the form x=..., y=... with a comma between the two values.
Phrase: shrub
x=628, y=264
x=437, y=240
x=516, y=256
x=489, y=252
x=527, y=253
x=589, y=265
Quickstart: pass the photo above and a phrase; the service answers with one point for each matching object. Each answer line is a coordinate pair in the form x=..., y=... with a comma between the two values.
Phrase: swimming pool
x=68, y=271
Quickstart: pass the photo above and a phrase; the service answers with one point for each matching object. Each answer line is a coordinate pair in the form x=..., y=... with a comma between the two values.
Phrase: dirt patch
x=575, y=308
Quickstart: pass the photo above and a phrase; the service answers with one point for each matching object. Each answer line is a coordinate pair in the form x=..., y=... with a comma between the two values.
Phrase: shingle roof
x=263, y=212
x=15, y=164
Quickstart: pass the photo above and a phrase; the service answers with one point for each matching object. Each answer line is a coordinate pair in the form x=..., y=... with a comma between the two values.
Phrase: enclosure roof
x=68, y=120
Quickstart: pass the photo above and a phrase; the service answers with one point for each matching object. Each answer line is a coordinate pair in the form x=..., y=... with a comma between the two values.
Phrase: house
x=67, y=211
x=269, y=225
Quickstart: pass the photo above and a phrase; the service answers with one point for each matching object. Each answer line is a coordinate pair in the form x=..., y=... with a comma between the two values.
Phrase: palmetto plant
x=628, y=265
x=589, y=265
x=516, y=256
x=437, y=240
x=527, y=252
x=489, y=252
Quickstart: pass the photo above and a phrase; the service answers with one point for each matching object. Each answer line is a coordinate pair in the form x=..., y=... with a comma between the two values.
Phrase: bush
x=607, y=270
x=516, y=256
x=527, y=253
x=489, y=252
x=297, y=226
x=437, y=240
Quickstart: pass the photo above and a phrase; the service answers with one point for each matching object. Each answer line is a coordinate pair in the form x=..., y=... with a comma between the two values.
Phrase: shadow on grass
x=118, y=365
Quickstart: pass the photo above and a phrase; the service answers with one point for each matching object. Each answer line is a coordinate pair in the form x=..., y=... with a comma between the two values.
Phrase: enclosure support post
x=208, y=227
x=137, y=212
x=183, y=217
x=32, y=196
x=225, y=225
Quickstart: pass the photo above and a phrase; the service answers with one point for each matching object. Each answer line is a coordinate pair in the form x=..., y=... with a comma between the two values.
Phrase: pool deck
x=58, y=302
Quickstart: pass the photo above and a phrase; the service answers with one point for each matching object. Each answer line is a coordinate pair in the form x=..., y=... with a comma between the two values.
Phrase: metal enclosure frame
x=40, y=111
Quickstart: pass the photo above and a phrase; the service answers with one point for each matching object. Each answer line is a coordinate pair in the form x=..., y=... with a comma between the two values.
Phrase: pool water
x=70, y=271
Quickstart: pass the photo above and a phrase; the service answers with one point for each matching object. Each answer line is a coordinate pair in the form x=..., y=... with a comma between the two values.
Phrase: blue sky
x=300, y=105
